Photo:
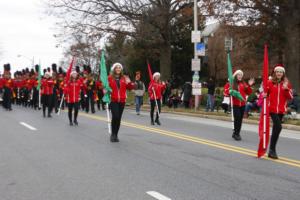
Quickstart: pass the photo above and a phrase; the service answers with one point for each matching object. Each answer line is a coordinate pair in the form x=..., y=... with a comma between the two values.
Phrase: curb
x=222, y=118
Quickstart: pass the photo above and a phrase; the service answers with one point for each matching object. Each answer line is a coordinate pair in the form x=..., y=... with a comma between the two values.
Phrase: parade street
x=187, y=158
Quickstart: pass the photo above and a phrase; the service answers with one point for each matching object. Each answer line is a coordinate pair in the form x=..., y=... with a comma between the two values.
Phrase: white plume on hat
x=73, y=72
x=156, y=74
x=238, y=72
x=48, y=74
x=115, y=65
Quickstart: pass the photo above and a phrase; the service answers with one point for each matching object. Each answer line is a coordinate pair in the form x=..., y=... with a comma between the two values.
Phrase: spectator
x=187, y=94
x=254, y=103
x=294, y=104
x=210, y=95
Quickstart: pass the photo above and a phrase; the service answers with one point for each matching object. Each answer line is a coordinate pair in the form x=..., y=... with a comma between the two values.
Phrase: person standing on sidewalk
x=156, y=89
x=210, y=104
x=239, y=105
x=279, y=91
x=118, y=83
x=139, y=92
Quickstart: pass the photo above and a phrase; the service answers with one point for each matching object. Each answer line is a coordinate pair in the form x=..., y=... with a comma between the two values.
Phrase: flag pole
x=108, y=119
x=39, y=77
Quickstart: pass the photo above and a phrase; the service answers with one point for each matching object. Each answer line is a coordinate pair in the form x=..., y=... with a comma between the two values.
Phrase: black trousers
x=277, y=120
x=72, y=106
x=238, y=113
x=116, y=116
x=7, y=98
x=90, y=99
x=153, y=105
x=47, y=103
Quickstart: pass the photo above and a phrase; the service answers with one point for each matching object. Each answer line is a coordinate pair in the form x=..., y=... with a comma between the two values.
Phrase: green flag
x=232, y=92
x=39, y=78
x=104, y=80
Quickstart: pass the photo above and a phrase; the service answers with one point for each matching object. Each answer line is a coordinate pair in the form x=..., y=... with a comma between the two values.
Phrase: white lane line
x=157, y=195
x=28, y=126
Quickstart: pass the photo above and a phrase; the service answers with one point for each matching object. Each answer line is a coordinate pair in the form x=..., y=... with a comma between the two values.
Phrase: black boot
x=272, y=154
x=49, y=115
x=71, y=123
x=76, y=122
x=152, y=122
x=114, y=138
x=157, y=121
x=236, y=137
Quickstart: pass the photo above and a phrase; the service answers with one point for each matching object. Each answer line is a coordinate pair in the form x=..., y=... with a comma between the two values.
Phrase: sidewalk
x=214, y=115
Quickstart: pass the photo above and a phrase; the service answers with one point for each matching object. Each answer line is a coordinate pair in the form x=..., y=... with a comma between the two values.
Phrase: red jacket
x=47, y=86
x=119, y=94
x=1, y=83
x=72, y=91
x=8, y=83
x=18, y=84
x=158, y=88
x=244, y=90
x=278, y=97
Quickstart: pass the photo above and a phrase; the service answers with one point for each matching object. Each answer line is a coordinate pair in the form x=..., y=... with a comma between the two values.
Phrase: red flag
x=69, y=70
x=150, y=72
x=264, y=122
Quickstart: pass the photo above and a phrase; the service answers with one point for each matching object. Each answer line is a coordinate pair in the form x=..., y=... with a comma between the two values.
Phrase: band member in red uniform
x=7, y=87
x=99, y=93
x=155, y=90
x=47, y=91
x=72, y=92
x=279, y=91
x=119, y=83
x=239, y=106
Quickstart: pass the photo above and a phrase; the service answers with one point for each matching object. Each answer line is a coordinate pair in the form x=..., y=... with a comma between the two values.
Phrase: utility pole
x=196, y=62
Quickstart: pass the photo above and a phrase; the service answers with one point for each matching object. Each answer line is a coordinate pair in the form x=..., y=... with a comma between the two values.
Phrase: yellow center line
x=219, y=145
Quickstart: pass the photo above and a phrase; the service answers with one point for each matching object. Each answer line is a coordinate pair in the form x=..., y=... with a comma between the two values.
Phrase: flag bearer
x=119, y=83
x=279, y=91
x=155, y=90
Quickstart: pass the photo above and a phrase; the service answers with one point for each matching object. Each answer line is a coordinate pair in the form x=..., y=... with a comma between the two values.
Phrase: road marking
x=157, y=195
x=28, y=126
x=219, y=145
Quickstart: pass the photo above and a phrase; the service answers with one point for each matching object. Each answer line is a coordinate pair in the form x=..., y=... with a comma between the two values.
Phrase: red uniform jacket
x=47, y=86
x=18, y=84
x=243, y=88
x=8, y=83
x=278, y=97
x=119, y=94
x=158, y=88
x=72, y=91
x=1, y=83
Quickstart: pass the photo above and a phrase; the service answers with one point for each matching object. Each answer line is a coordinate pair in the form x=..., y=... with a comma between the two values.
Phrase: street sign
x=196, y=89
x=196, y=64
x=200, y=49
x=196, y=36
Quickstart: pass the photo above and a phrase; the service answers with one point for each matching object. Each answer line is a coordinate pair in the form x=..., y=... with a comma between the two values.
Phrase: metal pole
x=196, y=73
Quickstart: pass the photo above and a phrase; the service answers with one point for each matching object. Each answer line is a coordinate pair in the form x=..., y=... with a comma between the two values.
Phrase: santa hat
x=156, y=74
x=115, y=65
x=279, y=67
x=236, y=72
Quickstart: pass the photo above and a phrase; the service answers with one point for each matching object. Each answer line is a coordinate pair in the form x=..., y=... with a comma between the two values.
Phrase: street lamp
x=31, y=60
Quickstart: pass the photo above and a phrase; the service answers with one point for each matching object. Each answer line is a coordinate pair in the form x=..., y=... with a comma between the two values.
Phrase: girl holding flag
x=155, y=91
x=72, y=93
x=279, y=91
x=238, y=104
x=118, y=83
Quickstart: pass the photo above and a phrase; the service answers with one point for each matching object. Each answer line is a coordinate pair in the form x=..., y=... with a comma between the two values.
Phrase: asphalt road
x=187, y=158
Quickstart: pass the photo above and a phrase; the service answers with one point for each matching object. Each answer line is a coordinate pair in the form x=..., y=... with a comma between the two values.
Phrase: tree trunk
x=165, y=61
x=292, y=45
